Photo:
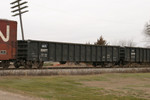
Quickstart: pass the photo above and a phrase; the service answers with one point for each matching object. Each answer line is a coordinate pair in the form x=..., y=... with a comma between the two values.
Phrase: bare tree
x=147, y=29
x=122, y=43
x=147, y=34
x=88, y=43
x=129, y=43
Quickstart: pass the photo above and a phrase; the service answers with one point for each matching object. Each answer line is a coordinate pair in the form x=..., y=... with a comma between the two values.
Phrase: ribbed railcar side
x=70, y=52
x=137, y=55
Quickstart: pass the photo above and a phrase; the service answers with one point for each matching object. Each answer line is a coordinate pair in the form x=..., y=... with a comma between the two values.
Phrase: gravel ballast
x=48, y=72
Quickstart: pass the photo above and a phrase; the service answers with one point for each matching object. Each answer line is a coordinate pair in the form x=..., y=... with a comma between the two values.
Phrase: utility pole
x=18, y=6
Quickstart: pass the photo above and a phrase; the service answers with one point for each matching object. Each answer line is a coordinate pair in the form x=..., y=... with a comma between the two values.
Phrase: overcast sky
x=80, y=21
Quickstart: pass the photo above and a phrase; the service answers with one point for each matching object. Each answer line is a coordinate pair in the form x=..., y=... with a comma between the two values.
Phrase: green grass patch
x=66, y=87
x=129, y=75
x=48, y=64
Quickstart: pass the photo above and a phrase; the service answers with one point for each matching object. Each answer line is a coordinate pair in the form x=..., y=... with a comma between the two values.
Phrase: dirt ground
x=68, y=64
x=12, y=96
x=123, y=86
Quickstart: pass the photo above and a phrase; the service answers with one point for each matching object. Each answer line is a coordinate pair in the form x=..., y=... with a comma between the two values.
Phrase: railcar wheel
x=62, y=62
x=16, y=64
x=5, y=64
x=40, y=64
x=94, y=64
x=77, y=63
x=28, y=64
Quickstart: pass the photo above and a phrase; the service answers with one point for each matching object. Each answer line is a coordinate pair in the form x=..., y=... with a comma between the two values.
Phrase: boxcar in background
x=41, y=51
x=8, y=39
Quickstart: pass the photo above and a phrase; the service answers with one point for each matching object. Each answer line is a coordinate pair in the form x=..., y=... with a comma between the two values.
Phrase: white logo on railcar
x=5, y=39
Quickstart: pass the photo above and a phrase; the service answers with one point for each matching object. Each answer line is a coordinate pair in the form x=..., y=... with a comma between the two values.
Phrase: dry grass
x=92, y=87
x=123, y=86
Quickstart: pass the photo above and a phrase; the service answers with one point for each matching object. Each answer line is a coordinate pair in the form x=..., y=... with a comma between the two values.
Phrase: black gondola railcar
x=32, y=51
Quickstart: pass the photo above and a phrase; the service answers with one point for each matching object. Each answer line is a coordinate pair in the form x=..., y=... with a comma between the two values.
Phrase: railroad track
x=69, y=71
x=71, y=68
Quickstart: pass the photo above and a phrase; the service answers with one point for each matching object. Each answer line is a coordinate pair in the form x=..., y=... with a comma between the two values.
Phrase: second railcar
x=136, y=55
x=32, y=51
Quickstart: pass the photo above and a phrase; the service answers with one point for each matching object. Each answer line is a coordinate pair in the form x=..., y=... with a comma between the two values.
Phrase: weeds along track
x=75, y=67
x=70, y=71
x=52, y=68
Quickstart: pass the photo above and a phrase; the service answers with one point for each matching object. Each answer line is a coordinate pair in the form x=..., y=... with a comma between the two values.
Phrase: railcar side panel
x=65, y=52
x=144, y=55
x=99, y=54
x=148, y=55
x=71, y=52
x=109, y=54
x=137, y=55
x=58, y=52
x=115, y=54
x=104, y=51
x=94, y=53
x=141, y=55
x=33, y=51
x=83, y=52
x=52, y=51
x=77, y=53
x=88, y=53
x=43, y=51
x=133, y=55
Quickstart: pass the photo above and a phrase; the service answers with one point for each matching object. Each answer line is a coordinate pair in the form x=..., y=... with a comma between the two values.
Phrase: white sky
x=80, y=21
